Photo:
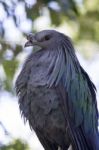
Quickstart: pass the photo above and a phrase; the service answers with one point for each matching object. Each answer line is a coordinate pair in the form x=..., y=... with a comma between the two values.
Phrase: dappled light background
x=78, y=19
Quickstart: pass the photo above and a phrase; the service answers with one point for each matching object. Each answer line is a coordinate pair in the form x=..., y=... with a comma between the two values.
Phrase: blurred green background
x=79, y=19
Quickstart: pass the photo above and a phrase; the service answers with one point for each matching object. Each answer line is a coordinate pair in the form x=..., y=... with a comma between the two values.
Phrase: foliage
x=16, y=144
x=82, y=13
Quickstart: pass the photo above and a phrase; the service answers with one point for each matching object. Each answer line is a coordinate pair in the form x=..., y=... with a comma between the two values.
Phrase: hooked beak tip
x=31, y=41
x=28, y=43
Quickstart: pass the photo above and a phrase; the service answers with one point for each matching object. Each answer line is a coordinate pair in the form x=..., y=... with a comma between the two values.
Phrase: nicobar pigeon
x=57, y=96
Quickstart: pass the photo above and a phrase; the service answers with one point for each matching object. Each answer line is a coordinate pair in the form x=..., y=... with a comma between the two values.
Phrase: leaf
x=10, y=68
x=17, y=50
x=33, y=12
x=55, y=17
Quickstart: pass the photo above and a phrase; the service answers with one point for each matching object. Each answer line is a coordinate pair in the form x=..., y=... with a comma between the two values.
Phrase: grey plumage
x=57, y=96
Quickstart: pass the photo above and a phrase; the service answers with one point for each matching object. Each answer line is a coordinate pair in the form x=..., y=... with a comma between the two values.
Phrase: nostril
x=30, y=36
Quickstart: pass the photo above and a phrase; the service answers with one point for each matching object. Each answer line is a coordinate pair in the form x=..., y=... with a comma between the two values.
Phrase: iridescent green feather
x=80, y=89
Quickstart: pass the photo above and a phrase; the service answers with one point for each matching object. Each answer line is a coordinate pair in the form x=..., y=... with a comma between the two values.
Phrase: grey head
x=44, y=39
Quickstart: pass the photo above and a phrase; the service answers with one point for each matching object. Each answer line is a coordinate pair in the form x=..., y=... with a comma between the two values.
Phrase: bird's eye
x=47, y=37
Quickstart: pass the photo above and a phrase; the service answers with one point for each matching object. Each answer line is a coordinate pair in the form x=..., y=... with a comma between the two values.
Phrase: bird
x=56, y=95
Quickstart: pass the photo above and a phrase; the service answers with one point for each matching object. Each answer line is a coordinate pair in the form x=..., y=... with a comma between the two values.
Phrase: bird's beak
x=31, y=40
x=28, y=43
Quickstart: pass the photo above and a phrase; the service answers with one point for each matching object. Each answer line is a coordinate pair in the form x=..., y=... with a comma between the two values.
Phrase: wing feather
x=79, y=101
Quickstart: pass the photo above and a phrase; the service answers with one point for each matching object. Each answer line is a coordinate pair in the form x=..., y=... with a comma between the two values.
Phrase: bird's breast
x=46, y=109
x=39, y=70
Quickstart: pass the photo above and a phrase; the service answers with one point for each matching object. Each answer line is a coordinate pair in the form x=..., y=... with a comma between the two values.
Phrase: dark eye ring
x=47, y=37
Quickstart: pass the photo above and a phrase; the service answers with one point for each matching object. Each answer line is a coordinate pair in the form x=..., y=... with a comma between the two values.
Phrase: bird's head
x=44, y=39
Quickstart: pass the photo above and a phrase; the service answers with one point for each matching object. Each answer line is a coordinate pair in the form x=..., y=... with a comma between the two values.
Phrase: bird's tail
x=81, y=141
x=78, y=140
